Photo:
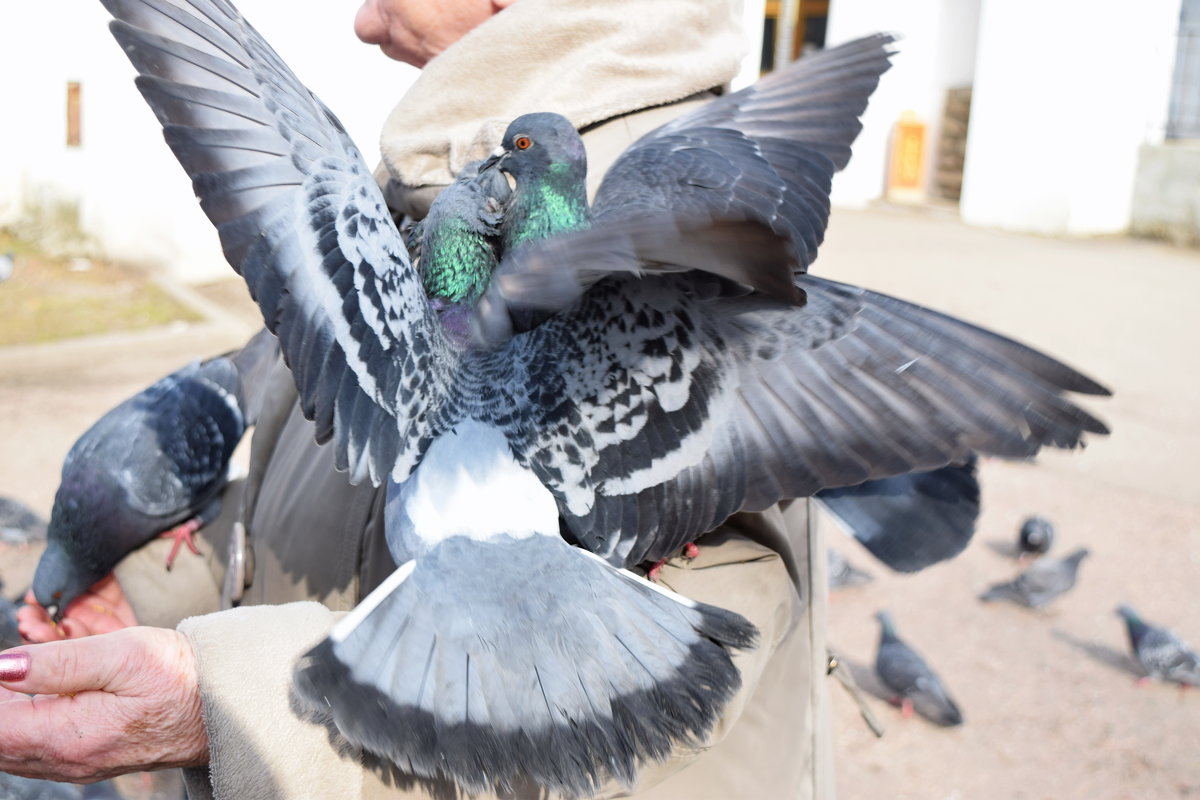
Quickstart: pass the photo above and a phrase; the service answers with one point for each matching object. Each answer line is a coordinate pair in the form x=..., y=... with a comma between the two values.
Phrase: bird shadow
x=866, y=679
x=1109, y=657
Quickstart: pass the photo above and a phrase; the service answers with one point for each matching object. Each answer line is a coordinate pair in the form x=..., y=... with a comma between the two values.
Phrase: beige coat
x=313, y=537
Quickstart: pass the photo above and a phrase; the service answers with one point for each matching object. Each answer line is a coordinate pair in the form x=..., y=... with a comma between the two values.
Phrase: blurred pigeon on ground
x=643, y=369
x=915, y=685
x=13, y=787
x=1161, y=653
x=1040, y=583
x=156, y=463
x=7, y=262
x=1036, y=537
x=9, y=635
x=912, y=521
x=19, y=525
x=842, y=573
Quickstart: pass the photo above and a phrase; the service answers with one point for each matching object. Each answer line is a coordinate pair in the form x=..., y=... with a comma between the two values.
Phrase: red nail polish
x=14, y=666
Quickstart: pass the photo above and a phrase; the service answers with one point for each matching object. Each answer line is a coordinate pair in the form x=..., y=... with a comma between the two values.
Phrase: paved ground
x=1051, y=707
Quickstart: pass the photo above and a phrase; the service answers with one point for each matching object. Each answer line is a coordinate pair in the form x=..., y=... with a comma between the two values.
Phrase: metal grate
x=1183, y=116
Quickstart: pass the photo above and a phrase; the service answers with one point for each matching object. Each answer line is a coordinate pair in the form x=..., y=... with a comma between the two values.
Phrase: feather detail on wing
x=684, y=410
x=765, y=153
x=301, y=219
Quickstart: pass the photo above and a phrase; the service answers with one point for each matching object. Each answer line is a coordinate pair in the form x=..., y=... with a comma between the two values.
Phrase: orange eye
x=523, y=142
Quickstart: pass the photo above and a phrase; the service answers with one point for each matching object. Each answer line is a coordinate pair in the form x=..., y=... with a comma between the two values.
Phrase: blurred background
x=1028, y=166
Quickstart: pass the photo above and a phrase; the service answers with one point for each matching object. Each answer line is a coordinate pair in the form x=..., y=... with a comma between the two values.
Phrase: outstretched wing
x=302, y=220
x=663, y=411
x=766, y=153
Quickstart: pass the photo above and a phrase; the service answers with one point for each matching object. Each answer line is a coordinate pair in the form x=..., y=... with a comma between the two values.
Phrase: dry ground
x=1049, y=698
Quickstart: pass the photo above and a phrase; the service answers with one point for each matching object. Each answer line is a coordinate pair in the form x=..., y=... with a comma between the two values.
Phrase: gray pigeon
x=911, y=521
x=658, y=363
x=155, y=463
x=19, y=525
x=9, y=635
x=1036, y=537
x=842, y=573
x=915, y=685
x=1040, y=583
x=1161, y=653
x=13, y=787
x=7, y=262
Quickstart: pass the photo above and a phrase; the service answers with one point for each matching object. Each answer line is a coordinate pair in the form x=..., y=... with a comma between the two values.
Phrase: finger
x=68, y=667
x=35, y=625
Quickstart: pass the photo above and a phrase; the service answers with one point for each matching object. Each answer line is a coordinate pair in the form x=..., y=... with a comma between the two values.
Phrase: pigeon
x=636, y=374
x=7, y=262
x=915, y=685
x=14, y=787
x=842, y=573
x=1040, y=583
x=912, y=521
x=456, y=247
x=156, y=462
x=1161, y=653
x=1036, y=537
x=9, y=635
x=19, y=525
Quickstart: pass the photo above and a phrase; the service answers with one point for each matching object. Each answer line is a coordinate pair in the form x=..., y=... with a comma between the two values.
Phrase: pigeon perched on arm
x=658, y=363
x=156, y=462
x=1161, y=653
x=1040, y=583
x=1036, y=537
x=915, y=685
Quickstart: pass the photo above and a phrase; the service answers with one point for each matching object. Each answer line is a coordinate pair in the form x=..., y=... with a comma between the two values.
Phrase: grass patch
x=49, y=298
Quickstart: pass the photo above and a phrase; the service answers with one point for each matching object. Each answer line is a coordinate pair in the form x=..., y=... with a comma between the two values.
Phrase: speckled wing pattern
x=766, y=153
x=667, y=408
x=301, y=219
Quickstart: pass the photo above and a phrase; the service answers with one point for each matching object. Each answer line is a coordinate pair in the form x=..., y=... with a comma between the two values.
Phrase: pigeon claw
x=690, y=550
x=655, y=572
x=906, y=708
x=182, y=534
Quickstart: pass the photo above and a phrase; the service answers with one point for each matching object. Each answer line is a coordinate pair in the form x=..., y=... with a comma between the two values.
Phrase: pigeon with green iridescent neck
x=633, y=382
x=1161, y=653
x=456, y=247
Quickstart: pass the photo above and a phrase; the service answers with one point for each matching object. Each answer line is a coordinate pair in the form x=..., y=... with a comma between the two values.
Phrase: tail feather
x=511, y=659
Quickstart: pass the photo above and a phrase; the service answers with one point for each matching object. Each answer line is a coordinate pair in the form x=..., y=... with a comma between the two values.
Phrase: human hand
x=102, y=706
x=101, y=609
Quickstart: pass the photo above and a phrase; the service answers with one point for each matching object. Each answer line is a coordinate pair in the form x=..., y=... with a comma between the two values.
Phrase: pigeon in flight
x=1161, y=653
x=19, y=524
x=659, y=362
x=156, y=462
x=1040, y=583
x=915, y=685
x=1035, y=538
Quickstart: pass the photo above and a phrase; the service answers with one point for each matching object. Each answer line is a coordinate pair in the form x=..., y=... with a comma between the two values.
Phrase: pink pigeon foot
x=182, y=534
x=690, y=550
x=1142, y=681
x=906, y=708
x=656, y=571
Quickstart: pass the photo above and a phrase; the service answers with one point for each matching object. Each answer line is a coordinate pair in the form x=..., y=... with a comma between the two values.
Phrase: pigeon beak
x=494, y=160
x=54, y=612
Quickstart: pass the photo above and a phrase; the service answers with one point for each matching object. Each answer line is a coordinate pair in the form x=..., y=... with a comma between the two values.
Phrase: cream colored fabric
x=578, y=58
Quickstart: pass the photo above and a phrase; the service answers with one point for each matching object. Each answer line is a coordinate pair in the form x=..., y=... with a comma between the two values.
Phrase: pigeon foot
x=690, y=551
x=182, y=534
x=906, y=708
x=655, y=572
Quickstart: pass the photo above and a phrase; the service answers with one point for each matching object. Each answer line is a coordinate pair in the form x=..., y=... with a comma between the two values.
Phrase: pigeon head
x=1126, y=612
x=59, y=579
x=541, y=145
x=73, y=559
x=1037, y=534
x=887, y=627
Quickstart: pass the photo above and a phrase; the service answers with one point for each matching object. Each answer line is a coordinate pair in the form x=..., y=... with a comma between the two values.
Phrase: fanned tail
x=525, y=658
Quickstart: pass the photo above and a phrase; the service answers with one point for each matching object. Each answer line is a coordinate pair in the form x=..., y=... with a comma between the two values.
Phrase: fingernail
x=14, y=666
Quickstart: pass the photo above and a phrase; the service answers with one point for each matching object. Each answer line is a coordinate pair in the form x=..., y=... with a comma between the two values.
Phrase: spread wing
x=664, y=409
x=302, y=220
x=766, y=153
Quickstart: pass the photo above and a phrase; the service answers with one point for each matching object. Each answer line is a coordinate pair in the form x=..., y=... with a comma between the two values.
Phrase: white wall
x=936, y=52
x=1065, y=93
x=134, y=198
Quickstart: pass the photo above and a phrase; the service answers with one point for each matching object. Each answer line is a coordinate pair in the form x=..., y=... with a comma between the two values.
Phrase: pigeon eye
x=523, y=142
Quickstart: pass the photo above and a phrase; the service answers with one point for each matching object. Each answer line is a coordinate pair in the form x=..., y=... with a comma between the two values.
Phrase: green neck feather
x=552, y=204
x=458, y=263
